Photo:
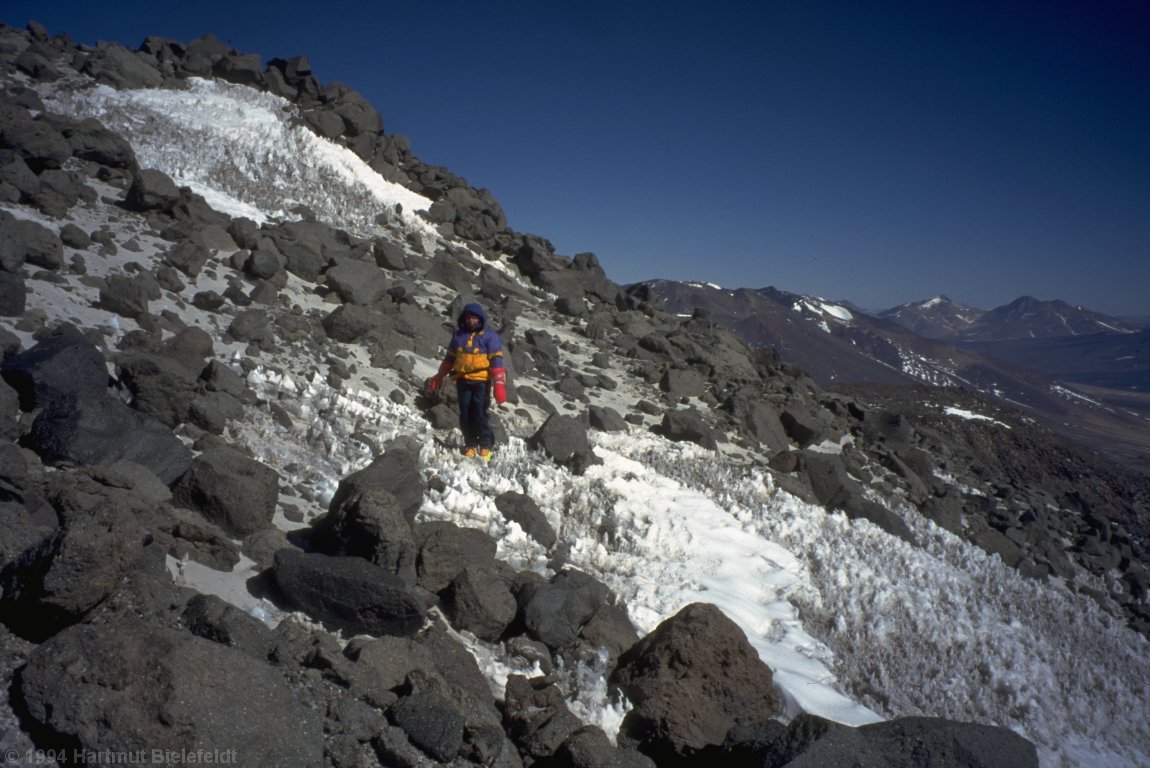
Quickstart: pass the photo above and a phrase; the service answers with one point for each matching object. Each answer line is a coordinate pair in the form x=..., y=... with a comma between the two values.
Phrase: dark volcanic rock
x=564, y=439
x=358, y=282
x=835, y=489
x=522, y=509
x=152, y=190
x=589, y=747
x=477, y=600
x=161, y=387
x=13, y=294
x=446, y=549
x=58, y=581
x=128, y=687
x=396, y=471
x=63, y=363
x=28, y=242
x=348, y=593
x=209, y=617
x=692, y=679
x=36, y=141
x=103, y=430
x=536, y=716
x=368, y=522
x=910, y=742
x=688, y=425
x=560, y=611
x=127, y=296
x=432, y=723
x=230, y=489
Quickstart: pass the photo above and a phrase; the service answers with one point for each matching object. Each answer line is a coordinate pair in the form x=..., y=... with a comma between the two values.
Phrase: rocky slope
x=936, y=318
x=148, y=336
x=1088, y=388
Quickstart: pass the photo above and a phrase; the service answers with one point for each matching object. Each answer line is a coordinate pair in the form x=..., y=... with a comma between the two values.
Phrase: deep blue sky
x=880, y=152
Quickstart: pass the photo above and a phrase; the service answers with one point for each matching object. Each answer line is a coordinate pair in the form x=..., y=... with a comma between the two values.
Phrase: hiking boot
x=470, y=452
x=485, y=454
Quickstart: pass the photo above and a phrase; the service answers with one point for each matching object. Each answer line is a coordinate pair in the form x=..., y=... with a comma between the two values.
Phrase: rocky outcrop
x=128, y=687
x=692, y=679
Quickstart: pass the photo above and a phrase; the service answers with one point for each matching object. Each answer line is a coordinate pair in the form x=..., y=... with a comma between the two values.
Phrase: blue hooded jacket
x=474, y=352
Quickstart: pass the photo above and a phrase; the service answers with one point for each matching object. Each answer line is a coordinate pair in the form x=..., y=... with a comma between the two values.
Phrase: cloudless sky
x=880, y=152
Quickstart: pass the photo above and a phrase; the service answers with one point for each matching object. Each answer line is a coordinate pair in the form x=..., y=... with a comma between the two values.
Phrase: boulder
x=589, y=747
x=758, y=418
x=36, y=142
x=93, y=142
x=152, y=190
x=802, y=427
x=127, y=296
x=103, y=430
x=349, y=323
x=432, y=722
x=13, y=294
x=230, y=489
x=909, y=742
x=688, y=426
x=9, y=413
x=536, y=716
x=241, y=69
x=389, y=254
x=16, y=173
x=348, y=593
x=446, y=549
x=606, y=419
x=251, y=325
x=127, y=687
x=161, y=387
x=396, y=471
x=369, y=523
x=307, y=246
x=59, y=191
x=692, y=679
x=57, y=582
x=564, y=440
x=478, y=601
x=28, y=242
x=37, y=65
x=325, y=123
x=211, y=618
x=682, y=382
x=382, y=665
x=836, y=490
x=522, y=509
x=357, y=282
x=115, y=65
x=555, y=612
x=188, y=257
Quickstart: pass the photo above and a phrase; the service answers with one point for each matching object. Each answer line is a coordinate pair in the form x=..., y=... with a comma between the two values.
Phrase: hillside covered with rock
x=192, y=394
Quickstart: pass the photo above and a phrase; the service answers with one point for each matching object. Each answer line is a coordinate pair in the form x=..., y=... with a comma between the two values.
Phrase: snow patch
x=834, y=310
x=962, y=413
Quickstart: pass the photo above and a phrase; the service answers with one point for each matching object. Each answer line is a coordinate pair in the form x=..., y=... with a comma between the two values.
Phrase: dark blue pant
x=473, y=421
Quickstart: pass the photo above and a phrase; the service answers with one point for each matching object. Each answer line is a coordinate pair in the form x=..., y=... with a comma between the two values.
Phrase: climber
x=475, y=361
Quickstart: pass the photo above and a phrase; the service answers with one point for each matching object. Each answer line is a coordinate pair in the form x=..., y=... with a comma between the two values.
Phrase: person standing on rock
x=475, y=361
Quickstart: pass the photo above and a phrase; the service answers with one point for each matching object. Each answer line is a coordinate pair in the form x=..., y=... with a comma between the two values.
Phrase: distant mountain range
x=1079, y=371
x=1023, y=318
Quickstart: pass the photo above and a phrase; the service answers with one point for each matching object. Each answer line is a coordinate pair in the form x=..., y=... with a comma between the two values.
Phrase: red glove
x=436, y=381
x=499, y=385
